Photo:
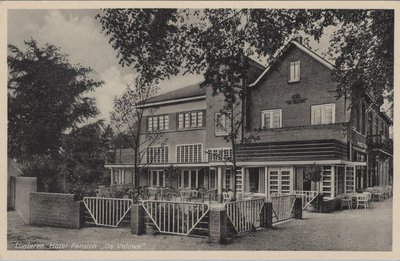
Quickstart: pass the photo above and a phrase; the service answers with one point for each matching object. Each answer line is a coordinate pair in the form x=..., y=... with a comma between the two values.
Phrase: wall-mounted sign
x=296, y=99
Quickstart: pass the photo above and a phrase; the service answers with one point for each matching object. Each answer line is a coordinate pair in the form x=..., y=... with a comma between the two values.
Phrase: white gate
x=245, y=214
x=282, y=207
x=306, y=197
x=178, y=218
x=107, y=212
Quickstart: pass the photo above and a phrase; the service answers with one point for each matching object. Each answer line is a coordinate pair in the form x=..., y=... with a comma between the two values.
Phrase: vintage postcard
x=199, y=130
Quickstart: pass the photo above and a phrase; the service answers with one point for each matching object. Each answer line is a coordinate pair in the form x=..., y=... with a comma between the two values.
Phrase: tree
x=46, y=97
x=85, y=151
x=128, y=118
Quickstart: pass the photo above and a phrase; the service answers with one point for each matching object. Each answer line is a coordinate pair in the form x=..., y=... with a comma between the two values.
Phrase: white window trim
x=295, y=80
x=323, y=113
x=202, y=151
x=154, y=162
x=181, y=184
x=272, y=120
x=160, y=183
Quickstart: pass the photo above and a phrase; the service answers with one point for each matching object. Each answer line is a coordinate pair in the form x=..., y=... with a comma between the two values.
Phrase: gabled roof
x=190, y=92
x=285, y=49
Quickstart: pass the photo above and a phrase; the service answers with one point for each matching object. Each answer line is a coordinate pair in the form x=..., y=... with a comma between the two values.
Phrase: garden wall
x=56, y=210
x=20, y=189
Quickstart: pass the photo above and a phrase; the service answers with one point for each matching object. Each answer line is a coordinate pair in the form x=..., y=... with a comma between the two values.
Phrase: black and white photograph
x=169, y=127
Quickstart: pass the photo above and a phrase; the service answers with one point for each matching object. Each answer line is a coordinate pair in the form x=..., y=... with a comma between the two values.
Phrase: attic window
x=294, y=71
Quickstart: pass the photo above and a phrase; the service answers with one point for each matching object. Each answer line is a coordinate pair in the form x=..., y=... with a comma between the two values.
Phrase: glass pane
x=277, y=120
x=328, y=114
x=185, y=178
x=180, y=126
x=166, y=122
x=194, y=119
x=267, y=120
x=193, y=179
x=161, y=122
x=200, y=118
x=317, y=115
x=187, y=120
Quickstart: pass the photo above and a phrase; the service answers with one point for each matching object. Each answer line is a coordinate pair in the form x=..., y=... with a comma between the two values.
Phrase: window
x=190, y=119
x=322, y=114
x=160, y=122
x=212, y=179
x=157, y=154
x=271, y=119
x=189, y=153
x=222, y=124
x=227, y=179
x=219, y=154
x=294, y=71
x=156, y=178
x=193, y=179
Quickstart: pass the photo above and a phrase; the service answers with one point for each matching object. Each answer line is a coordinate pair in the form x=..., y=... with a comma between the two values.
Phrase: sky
x=79, y=35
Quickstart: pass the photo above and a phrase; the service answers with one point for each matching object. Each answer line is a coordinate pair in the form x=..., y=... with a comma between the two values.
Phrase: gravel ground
x=354, y=230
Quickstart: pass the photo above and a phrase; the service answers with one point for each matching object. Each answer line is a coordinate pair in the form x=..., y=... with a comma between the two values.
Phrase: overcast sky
x=78, y=34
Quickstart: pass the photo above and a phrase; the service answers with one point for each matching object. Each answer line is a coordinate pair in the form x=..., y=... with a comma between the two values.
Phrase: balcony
x=381, y=142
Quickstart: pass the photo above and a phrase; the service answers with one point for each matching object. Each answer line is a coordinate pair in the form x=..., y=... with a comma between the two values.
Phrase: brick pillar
x=218, y=226
x=266, y=215
x=137, y=220
x=298, y=208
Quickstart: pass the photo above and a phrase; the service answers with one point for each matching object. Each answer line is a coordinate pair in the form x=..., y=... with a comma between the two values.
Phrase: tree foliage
x=46, y=97
x=85, y=151
x=213, y=41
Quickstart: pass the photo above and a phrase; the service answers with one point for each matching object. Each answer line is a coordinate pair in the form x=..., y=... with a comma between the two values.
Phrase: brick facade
x=55, y=210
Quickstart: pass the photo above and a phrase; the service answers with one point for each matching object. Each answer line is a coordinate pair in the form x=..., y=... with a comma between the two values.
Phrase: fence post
x=218, y=227
x=320, y=202
x=137, y=219
x=266, y=215
x=298, y=208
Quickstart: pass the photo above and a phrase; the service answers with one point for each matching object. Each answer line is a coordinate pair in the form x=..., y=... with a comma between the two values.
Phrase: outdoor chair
x=362, y=201
x=185, y=195
x=153, y=192
x=378, y=194
x=226, y=197
x=346, y=201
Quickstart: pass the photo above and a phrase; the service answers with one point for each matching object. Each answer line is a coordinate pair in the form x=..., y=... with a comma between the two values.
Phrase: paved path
x=356, y=230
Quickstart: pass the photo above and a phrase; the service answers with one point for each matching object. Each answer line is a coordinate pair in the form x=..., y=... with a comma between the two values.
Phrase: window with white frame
x=222, y=124
x=156, y=178
x=189, y=153
x=193, y=178
x=192, y=119
x=219, y=154
x=323, y=114
x=160, y=122
x=271, y=119
x=157, y=154
x=212, y=178
x=294, y=71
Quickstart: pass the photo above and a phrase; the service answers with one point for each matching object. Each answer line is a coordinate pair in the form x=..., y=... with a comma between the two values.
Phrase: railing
x=282, y=207
x=306, y=196
x=245, y=214
x=178, y=218
x=107, y=212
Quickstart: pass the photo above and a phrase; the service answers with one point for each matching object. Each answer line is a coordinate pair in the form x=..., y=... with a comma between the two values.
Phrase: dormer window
x=294, y=71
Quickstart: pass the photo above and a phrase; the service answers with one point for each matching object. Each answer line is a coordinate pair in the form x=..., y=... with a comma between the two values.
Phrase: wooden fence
x=245, y=214
x=178, y=218
x=107, y=212
x=282, y=207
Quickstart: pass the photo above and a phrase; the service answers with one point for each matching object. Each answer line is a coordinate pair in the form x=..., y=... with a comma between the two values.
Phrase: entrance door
x=280, y=180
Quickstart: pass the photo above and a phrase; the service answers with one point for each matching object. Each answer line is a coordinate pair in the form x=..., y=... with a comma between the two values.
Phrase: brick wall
x=273, y=92
x=55, y=209
x=23, y=187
